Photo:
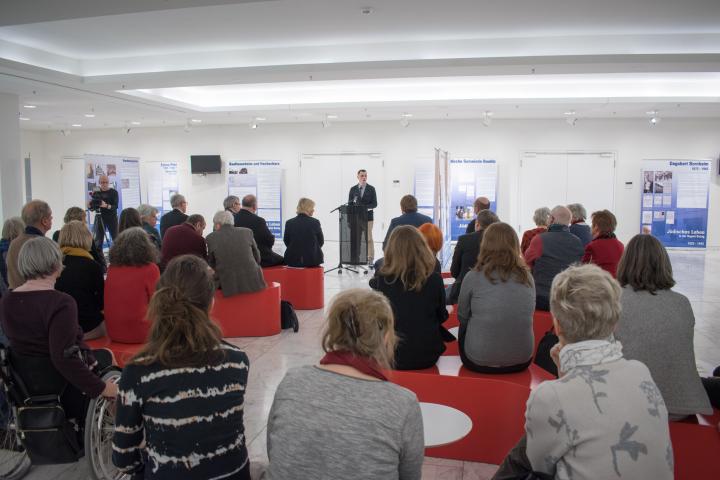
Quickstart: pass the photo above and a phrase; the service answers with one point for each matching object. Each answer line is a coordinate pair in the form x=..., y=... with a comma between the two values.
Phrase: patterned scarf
x=589, y=352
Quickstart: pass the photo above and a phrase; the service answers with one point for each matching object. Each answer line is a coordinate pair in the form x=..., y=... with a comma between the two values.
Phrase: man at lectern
x=364, y=194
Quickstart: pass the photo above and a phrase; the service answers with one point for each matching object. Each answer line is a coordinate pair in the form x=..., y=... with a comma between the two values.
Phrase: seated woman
x=180, y=408
x=233, y=254
x=604, y=417
x=342, y=419
x=12, y=228
x=496, y=305
x=77, y=213
x=129, y=218
x=148, y=217
x=82, y=278
x=303, y=237
x=657, y=326
x=605, y=249
x=129, y=285
x=417, y=296
x=541, y=218
x=42, y=322
x=434, y=238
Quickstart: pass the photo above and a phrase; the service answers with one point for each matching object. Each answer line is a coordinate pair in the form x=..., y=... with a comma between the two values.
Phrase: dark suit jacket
x=181, y=240
x=234, y=256
x=471, y=226
x=464, y=258
x=304, y=240
x=170, y=219
x=413, y=218
x=264, y=239
x=369, y=198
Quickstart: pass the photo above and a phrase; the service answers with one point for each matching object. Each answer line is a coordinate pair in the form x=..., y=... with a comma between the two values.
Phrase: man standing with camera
x=104, y=203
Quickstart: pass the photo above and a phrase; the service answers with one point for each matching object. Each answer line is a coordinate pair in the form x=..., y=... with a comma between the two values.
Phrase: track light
x=654, y=120
x=487, y=118
x=326, y=123
x=404, y=122
x=65, y=132
x=253, y=125
x=187, y=127
x=572, y=121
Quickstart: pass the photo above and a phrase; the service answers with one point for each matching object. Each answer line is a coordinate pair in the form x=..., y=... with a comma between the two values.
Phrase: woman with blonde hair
x=408, y=280
x=496, y=305
x=180, y=408
x=77, y=213
x=303, y=237
x=82, y=278
x=342, y=419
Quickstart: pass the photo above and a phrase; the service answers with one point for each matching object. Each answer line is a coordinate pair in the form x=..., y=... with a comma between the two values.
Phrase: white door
x=327, y=179
x=549, y=179
x=74, y=188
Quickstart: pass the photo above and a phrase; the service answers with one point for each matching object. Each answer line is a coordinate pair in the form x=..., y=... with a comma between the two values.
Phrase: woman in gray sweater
x=657, y=326
x=496, y=305
x=342, y=419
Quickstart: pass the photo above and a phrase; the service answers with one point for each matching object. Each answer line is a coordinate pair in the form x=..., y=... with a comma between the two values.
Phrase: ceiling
x=127, y=63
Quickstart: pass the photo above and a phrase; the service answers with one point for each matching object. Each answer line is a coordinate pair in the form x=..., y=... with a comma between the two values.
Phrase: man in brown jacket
x=37, y=216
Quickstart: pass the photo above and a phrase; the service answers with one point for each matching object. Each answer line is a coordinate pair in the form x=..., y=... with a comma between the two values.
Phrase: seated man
x=184, y=239
x=410, y=216
x=234, y=256
x=466, y=252
x=176, y=216
x=247, y=217
x=480, y=204
x=552, y=252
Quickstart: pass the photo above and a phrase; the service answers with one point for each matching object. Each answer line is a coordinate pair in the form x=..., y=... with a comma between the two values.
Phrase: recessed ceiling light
x=76, y=125
x=570, y=112
x=406, y=115
x=24, y=119
x=135, y=123
x=260, y=119
x=90, y=115
x=367, y=10
x=331, y=117
x=651, y=112
x=29, y=106
x=196, y=120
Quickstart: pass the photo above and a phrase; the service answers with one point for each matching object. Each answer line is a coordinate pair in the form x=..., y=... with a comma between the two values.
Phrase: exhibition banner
x=675, y=197
x=424, y=191
x=162, y=183
x=124, y=176
x=469, y=179
x=264, y=180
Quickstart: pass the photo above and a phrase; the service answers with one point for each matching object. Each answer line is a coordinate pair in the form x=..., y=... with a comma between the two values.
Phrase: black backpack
x=288, y=317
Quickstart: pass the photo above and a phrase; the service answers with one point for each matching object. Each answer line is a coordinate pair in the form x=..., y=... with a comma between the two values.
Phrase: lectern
x=353, y=224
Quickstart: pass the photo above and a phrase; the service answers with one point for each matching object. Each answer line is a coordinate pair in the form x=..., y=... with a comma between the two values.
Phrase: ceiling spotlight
x=195, y=120
x=65, y=132
x=331, y=116
x=76, y=125
x=253, y=125
x=29, y=106
x=135, y=123
x=654, y=120
x=187, y=127
x=24, y=119
x=128, y=130
x=405, y=123
x=572, y=121
x=326, y=123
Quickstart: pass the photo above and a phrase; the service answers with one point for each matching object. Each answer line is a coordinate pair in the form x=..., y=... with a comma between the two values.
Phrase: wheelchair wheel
x=99, y=427
x=14, y=461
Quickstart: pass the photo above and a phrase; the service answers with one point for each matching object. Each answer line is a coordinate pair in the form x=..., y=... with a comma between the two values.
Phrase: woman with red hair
x=434, y=239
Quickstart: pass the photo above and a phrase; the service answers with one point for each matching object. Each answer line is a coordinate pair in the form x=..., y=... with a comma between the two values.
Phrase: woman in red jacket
x=130, y=283
x=604, y=250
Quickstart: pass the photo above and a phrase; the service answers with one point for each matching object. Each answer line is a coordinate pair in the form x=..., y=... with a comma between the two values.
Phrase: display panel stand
x=353, y=225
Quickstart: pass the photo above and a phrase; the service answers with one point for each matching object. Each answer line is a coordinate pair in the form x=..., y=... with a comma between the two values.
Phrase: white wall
x=403, y=149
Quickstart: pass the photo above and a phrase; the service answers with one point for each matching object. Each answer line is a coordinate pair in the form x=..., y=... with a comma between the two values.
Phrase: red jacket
x=180, y=240
x=127, y=293
x=605, y=252
x=528, y=236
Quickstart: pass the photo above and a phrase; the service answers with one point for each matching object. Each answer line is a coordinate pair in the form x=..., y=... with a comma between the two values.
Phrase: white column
x=11, y=164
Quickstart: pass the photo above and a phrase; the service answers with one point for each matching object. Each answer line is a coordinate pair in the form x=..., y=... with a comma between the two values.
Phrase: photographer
x=105, y=202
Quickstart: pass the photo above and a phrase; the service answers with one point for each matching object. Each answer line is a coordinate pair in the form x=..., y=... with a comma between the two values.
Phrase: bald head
x=249, y=202
x=480, y=204
x=560, y=215
x=104, y=182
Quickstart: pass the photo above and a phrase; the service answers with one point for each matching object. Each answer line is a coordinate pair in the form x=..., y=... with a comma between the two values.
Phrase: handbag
x=542, y=357
x=45, y=432
x=288, y=317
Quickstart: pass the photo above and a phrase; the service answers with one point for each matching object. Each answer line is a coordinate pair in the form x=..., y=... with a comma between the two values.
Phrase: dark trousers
x=470, y=365
x=516, y=465
x=712, y=387
x=542, y=303
x=109, y=221
x=271, y=259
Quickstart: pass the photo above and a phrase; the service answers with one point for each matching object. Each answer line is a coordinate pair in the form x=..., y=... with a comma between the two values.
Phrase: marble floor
x=271, y=357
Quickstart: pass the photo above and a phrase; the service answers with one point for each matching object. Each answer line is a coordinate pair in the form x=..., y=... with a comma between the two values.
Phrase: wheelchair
x=36, y=429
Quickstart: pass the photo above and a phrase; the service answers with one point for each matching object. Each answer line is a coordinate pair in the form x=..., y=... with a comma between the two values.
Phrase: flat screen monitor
x=205, y=164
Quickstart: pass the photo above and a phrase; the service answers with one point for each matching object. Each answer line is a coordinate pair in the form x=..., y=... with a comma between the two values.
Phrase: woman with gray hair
x=12, y=228
x=42, y=322
x=578, y=227
x=148, y=218
x=541, y=219
x=604, y=417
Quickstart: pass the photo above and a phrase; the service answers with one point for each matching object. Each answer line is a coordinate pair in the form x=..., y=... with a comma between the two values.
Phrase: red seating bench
x=303, y=287
x=695, y=447
x=254, y=314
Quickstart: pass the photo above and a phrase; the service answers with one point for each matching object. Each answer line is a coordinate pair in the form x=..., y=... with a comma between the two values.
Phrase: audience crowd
x=621, y=343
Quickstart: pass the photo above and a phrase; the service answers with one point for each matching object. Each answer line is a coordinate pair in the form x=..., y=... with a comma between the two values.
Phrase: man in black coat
x=466, y=253
x=410, y=216
x=108, y=207
x=364, y=194
x=480, y=204
x=247, y=217
x=176, y=216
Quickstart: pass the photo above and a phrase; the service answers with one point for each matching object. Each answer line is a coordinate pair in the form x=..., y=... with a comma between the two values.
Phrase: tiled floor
x=270, y=358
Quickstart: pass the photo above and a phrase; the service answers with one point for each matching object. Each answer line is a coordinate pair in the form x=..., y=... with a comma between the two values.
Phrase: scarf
x=361, y=364
x=589, y=352
x=76, y=252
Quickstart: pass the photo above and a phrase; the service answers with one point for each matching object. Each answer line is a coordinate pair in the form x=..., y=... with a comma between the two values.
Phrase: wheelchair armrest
x=42, y=399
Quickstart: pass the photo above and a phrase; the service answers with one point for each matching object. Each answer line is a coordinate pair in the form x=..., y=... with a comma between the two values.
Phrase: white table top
x=443, y=424
x=455, y=331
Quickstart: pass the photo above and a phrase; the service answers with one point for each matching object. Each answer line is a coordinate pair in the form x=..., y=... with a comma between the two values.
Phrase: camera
x=95, y=201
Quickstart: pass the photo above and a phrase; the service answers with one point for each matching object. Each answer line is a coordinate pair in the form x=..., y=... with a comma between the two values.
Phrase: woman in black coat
x=303, y=237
